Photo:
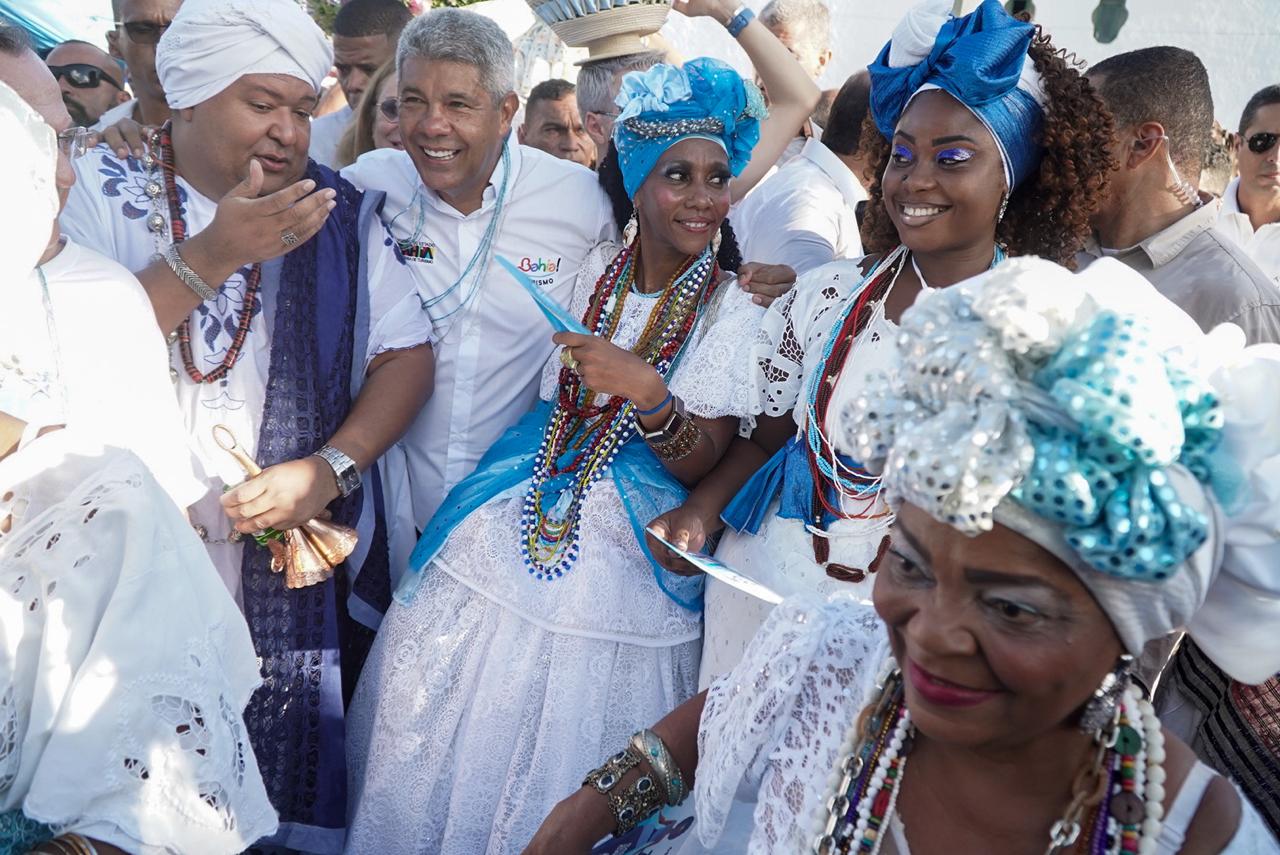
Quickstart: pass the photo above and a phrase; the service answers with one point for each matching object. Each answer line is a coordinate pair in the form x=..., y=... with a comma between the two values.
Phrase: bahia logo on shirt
x=539, y=265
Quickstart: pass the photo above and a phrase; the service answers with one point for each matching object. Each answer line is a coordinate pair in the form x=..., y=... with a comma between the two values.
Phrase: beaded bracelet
x=651, y=746
x=638, y=801
x=739, y=21
x=608, y=775
x=681, y=445
x=657, y=409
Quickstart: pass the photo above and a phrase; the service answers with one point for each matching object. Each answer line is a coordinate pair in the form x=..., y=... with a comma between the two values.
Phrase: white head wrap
x=1029, y=345
x=31, y=197
x=213, y=43
x=26, y=223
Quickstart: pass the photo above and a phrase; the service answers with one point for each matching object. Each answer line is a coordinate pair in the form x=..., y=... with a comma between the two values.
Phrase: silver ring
x=289, y=238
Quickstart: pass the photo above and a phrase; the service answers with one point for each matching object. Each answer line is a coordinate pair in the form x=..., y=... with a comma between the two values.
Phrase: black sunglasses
x=1262, y=142
x=390, y=109
x=82, y=75
x=143, y=32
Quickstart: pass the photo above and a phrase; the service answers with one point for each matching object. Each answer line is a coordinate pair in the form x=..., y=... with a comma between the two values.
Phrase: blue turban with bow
x=666, y=104
x=981, y=61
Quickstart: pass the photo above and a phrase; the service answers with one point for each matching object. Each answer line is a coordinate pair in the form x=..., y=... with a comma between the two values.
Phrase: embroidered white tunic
x=107, y=211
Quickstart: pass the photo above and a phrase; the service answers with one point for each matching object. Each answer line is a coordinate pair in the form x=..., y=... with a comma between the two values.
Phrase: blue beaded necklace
x=480, y=258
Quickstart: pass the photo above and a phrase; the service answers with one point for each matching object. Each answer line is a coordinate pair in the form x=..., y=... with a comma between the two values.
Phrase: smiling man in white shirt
x=1250, y=212
x=804, y=215
x=463, y=193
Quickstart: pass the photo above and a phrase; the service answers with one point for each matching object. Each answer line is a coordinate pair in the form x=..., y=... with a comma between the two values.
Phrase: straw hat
x=606, y=28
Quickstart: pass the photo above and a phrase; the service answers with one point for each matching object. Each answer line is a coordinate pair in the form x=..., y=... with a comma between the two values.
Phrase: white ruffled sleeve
x=714, y=375
x=772, y=727
x=797, y=325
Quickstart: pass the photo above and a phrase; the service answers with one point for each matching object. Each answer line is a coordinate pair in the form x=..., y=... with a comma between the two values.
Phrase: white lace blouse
x=125, y=665
x=772, y=729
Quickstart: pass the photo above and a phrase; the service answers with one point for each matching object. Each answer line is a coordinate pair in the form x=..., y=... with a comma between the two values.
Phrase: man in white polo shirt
x=805, y=214
x=463, y=193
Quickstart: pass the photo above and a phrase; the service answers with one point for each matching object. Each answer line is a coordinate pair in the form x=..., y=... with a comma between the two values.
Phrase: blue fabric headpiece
x=667, y=104
x=979, y=59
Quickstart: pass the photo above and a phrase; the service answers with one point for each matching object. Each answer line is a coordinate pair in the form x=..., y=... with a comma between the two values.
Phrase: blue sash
x=786, y=476
x=310, y=648
x=646, y=487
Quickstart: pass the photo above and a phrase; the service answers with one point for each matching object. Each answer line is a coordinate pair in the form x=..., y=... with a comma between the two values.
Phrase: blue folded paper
x=556, y=314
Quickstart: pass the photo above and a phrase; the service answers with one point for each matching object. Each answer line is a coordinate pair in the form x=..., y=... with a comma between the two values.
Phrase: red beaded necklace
x=178, y=233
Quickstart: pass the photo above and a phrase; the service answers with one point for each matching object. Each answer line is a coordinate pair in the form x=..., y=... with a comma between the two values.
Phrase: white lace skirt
x=471, y=722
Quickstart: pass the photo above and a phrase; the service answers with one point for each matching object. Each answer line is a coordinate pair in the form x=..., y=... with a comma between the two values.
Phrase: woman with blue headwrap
x=532, y=628
x=986, y=143
x=1073, y=466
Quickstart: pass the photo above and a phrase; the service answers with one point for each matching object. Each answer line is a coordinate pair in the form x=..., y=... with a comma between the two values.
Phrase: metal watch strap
x=345, y=471
x=189, y=277
x=671, y=426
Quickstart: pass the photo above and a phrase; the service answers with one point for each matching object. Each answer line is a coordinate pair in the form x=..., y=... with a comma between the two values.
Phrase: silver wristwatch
x=187, y=275
x=344, y=469
x=679, y=415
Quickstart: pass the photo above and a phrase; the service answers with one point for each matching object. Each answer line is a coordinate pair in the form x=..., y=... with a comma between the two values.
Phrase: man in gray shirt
x=1154, y=219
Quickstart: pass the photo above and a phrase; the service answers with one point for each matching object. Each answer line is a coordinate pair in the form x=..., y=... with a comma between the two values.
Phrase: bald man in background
x=91, y=81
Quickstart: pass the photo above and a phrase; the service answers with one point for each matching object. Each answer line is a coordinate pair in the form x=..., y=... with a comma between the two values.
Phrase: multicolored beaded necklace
x=1126, y=778
x=178, y=233
x=852, y=486
x=583, y=436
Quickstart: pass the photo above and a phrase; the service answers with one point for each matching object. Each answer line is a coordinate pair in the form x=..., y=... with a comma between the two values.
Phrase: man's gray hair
x=596, y=88
x=456, y=35
x=807, y=21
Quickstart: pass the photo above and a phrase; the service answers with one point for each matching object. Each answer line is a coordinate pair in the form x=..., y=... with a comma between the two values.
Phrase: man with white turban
x=294, y=323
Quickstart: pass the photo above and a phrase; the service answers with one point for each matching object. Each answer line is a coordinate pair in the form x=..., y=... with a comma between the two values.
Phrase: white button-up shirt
x=491, y=350
x=803, y=215
x=1263, y=245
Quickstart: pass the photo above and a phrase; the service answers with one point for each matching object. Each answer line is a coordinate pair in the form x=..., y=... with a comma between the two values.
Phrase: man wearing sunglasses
x=91, y=81
x=139, y=26
x=1251, y=203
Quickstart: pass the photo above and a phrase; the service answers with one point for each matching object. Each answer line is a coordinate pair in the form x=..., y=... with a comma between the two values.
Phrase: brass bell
x=308, y=554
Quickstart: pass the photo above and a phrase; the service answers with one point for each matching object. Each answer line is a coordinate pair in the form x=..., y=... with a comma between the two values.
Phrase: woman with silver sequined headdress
x=1075, y=470
x=987, y=142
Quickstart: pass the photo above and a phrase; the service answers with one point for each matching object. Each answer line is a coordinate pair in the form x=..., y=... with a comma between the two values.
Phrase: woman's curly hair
x=729, y=257
x=1048, y=214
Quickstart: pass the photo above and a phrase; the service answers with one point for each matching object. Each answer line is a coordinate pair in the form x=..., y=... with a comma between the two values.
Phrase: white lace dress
x=488, y=698
x=772, y=729
x=790, y=347
x=124, y=662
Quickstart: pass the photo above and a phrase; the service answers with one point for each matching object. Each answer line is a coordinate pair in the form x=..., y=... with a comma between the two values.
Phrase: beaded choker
x=583, y=435
x=1125, y=777
x=178, y=233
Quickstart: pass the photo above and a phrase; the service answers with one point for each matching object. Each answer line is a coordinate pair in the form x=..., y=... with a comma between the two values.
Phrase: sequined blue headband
x=1079, y=421
x=665, y=104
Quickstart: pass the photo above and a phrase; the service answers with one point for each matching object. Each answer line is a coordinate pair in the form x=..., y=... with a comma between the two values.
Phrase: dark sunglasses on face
x=390, y=109
x=143, y=32
x=1262, y=142
x=82, y=75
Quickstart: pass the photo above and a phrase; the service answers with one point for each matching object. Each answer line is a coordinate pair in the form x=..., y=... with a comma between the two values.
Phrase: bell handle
x=226, y=440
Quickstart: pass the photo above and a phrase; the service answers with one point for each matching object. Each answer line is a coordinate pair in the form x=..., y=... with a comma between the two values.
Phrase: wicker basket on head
x=606, y=28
